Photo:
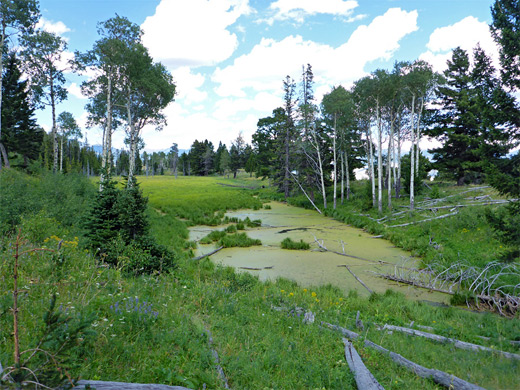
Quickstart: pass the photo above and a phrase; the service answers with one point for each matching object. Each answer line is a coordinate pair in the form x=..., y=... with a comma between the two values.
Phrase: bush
x=287, y=243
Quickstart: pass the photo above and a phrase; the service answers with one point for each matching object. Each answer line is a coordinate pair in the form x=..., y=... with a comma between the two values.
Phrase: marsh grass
x=287, y=243
x=156, y=334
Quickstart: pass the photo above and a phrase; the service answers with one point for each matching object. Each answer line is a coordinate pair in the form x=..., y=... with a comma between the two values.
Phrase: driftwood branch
x=456, y=343
x=345, y=332
x=413, y=283
x=424, y=220
x=440, y=377
x=208, y=254
x=214, y=353
x=304, y=192
x=364, y=378
x=359, y=280
x=322, y=247
x=102, y=385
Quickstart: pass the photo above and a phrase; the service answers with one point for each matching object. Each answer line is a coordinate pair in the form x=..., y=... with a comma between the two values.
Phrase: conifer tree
x=21, y=135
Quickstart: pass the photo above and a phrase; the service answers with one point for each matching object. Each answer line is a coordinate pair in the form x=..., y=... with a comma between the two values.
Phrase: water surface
x=315, y=267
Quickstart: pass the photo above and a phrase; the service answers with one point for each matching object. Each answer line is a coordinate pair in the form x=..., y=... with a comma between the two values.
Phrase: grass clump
x=214, y=236
x=238, y=240
x=287, y=243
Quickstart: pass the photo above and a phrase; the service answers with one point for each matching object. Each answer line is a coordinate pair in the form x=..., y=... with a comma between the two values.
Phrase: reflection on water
x=314, y=267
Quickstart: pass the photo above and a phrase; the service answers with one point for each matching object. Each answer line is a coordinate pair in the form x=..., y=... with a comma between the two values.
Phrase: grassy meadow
x=155, y=328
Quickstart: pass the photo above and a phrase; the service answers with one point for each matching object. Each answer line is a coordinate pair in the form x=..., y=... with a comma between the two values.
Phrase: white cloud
x=193, y=32
x=58, y=28
x=298, y=10
x=185, y=127
x=268, y=62
x=188, y=84
x=75, y=90
x=229, y=109
x=466, y=33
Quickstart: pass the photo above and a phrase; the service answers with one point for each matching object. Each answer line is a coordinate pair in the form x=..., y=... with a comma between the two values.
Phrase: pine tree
x=21, y=135
x=456, y=122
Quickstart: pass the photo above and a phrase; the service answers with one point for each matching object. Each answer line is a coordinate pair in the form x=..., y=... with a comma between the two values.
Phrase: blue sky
x=229, y=57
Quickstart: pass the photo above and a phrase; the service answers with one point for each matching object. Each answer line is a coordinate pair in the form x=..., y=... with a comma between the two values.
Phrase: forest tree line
x=303, y=146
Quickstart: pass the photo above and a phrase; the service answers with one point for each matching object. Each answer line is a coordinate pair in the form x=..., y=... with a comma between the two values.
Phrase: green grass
x=258, y=347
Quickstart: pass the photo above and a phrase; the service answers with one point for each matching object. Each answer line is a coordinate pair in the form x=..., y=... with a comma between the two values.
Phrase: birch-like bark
x=61, y=155
x=320, y=167
x=389, y=162
x=342, y=178
x=412, y=154
x=335, y=163
x=107, y=141
x=398, y=177
x=379, y=161
x=371, y=162
x=347, y=173
x=54, y=129
x=418, y=138
x=133, y=141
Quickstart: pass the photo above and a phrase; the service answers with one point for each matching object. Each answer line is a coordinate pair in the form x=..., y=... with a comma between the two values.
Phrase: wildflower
x=282, y=291
x=313, y=294
x=291, y=294
x=304, y=290
x=317, y=300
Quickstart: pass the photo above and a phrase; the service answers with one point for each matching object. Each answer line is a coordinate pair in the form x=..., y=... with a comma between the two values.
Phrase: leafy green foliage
x=424, y=168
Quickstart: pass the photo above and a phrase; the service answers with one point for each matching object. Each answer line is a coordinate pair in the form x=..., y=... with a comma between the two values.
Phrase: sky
x=229, y=58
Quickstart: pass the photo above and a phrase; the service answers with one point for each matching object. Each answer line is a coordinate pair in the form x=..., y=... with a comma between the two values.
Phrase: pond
x=368, y=256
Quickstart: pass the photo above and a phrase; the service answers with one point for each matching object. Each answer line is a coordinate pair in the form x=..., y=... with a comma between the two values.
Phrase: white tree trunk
x=335, y=163
x=61, y=155
x=320, y=167
x=389, y=162
x=342, y=179
x=379, y=161
x=347, y=173
x=370, y=167
x=412, y=154
x=107, y=141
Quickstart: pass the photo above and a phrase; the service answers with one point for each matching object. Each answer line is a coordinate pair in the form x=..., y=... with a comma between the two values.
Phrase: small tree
x=42, y=56
x=68, y=128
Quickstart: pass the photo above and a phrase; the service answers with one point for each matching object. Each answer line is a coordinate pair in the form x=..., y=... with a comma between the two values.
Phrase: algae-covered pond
x=314, y=267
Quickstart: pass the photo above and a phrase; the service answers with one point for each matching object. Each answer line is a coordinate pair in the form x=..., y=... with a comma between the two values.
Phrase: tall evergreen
x=505, y=29
x=21, y=135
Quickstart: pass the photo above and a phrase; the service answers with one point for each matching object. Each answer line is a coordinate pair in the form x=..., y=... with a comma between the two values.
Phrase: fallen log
x=322, y=246
x=424, y=220
x=214, y=353
x=440, y=377
x=413, y=283
x=364, y=378
x=359, y=280
x=456, y=343
x=208, y=254
x=256, y=269
x=102, y=385
x=345, y=332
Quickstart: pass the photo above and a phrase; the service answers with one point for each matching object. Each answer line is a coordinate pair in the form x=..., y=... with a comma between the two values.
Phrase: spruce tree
x=21, y=135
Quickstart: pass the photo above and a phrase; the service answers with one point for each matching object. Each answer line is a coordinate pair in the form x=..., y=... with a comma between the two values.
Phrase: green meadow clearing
x=155, y=328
